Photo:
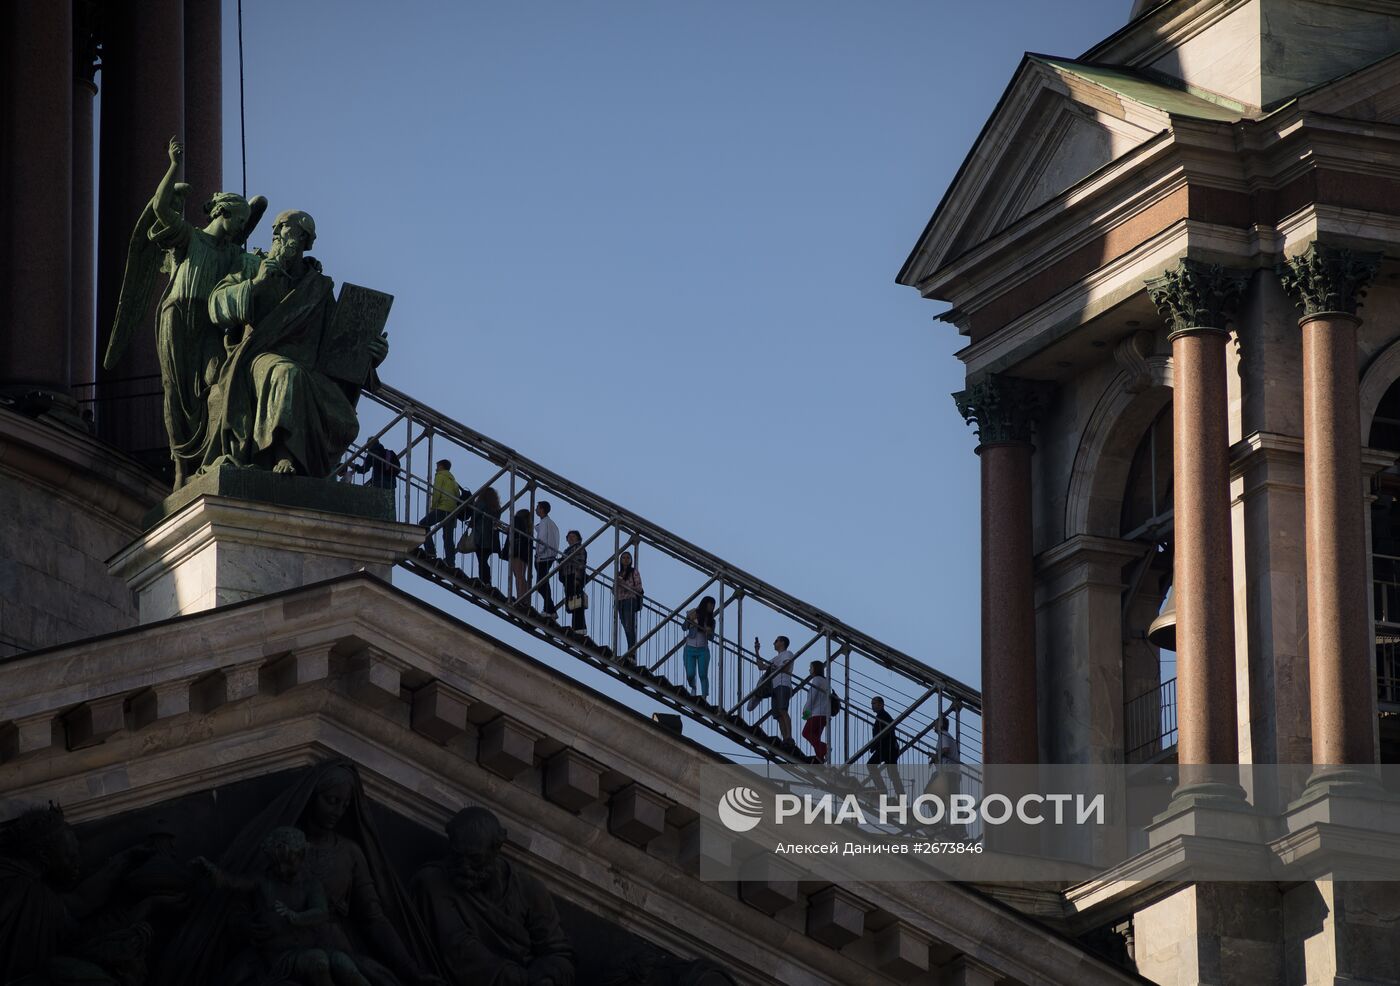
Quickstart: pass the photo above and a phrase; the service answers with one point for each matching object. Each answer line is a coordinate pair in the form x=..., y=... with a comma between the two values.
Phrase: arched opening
x=1149, y=659
x=1385, y=573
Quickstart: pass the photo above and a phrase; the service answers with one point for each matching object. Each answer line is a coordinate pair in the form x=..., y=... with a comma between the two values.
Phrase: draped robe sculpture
x=188, y=346
x=272, y=405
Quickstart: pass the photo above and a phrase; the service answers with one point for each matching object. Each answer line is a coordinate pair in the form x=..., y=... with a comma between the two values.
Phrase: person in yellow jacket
x=445, y=498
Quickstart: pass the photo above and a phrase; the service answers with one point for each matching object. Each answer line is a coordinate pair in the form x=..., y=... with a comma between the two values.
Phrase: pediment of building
x=1058, y=123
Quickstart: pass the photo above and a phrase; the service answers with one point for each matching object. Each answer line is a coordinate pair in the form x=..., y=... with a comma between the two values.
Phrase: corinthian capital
x=1196, y=295
x=1328, y=279
x=1001, y=409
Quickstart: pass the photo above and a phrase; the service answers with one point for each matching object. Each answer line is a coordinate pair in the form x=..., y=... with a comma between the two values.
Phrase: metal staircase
x=674, y=570
x=678, y=572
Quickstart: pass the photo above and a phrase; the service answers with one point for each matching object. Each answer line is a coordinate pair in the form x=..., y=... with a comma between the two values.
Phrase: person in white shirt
x=944, y=774
x=947, y=743
x=817, y=709
x=546, y=553
x=779, y=671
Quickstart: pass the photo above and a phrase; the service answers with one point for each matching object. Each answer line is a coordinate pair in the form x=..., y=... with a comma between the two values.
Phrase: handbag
x=575, y=603
x=466, y=544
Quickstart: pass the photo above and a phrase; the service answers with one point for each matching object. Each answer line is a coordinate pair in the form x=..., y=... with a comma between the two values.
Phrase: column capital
x=1328, y=279
x=1001, y=409
x=1197, y=295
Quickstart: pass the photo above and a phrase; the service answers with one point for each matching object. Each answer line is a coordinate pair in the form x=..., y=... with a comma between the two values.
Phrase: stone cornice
x=1080, y=562
x=357, y=608
x=1250, y=190
x=1326, y=278
x=1261, y=447
x=1085, y=548
x=266, y=720
x=1115, y=283
x=1265, y=460
x=1374, y=460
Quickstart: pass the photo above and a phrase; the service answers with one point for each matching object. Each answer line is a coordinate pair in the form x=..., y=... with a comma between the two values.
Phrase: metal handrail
x=658, y=536
x=1149, y=723
x=878, y=668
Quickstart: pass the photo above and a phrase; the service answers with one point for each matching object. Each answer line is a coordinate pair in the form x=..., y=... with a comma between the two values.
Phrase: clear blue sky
x=653, y=246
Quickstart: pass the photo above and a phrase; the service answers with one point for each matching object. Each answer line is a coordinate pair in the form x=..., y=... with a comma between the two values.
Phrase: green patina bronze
x=275, y=404
x=261, y=365
x=188, y=346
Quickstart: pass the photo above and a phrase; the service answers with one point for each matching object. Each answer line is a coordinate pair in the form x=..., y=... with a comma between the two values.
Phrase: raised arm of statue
x=164, y=201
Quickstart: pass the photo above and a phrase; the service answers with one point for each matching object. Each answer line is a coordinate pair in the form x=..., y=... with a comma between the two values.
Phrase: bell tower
x=1183, y=242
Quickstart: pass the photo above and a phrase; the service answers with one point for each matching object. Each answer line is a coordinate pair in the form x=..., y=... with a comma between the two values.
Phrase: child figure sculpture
x=288, y=908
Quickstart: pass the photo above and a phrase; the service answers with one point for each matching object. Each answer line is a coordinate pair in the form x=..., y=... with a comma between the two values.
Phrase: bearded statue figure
x=273, y=406
x=491, y=921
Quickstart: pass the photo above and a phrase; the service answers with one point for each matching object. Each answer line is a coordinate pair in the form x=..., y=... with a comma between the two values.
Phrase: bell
x=1162, y=632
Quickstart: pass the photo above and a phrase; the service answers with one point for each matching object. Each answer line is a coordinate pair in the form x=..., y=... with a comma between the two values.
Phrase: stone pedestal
x=206, y=550
x=1213, y=933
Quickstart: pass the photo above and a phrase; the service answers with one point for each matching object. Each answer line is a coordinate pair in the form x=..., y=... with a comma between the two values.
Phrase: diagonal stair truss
x=677, y=575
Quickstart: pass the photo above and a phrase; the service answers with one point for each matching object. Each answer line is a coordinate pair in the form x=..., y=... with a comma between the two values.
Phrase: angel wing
x=143, y=263
x=257, y=205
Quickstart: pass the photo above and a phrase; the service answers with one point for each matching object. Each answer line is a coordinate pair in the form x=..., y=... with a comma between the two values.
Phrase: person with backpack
x=442, y=506
x=628, y=596
x=381, y=463
x=486, y=540
x=699, y=631
x=817, y=710
x=884, y=750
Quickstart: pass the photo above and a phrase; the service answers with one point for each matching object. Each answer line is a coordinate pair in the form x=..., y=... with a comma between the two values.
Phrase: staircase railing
x=677, y=574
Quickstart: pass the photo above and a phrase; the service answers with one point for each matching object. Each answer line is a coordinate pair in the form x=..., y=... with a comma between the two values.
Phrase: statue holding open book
x=297, y=359
x=265, y=365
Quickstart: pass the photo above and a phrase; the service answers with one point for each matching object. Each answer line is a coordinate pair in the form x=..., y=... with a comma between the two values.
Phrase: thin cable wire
x=242, y=122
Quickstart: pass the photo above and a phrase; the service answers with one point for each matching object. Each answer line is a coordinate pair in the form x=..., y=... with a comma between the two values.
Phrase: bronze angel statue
x=189, y=346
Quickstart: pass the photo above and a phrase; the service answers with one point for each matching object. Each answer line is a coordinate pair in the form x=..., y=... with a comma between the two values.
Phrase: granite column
x=1328, y=284
x=204, y=101
x=143, y=106
x=37, y=192
x=1198, y=300
x=1003, y=410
